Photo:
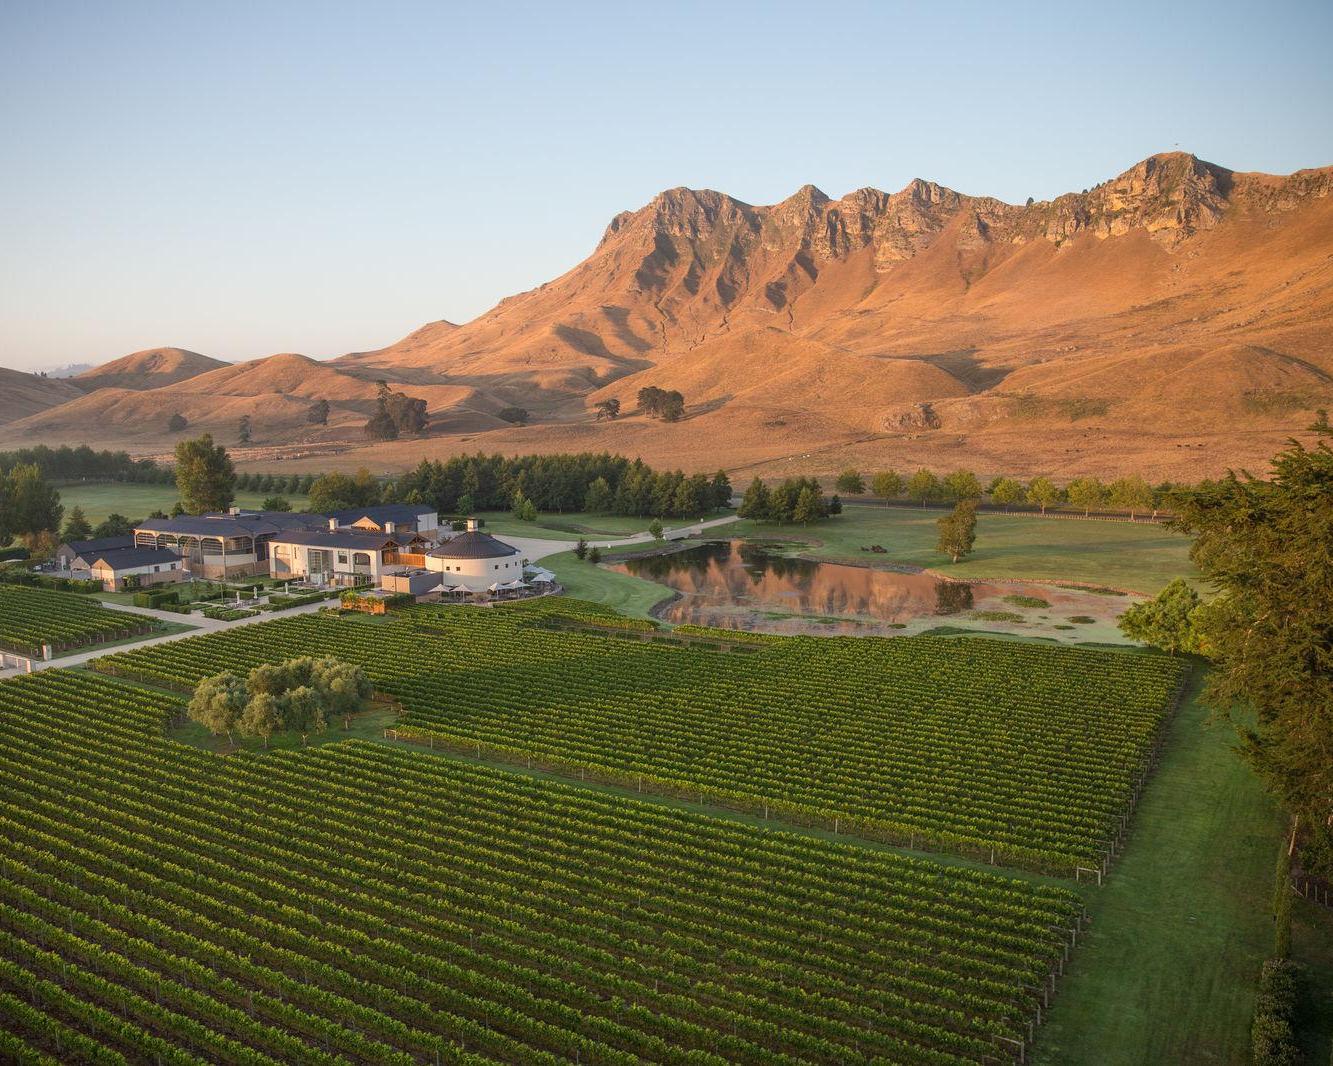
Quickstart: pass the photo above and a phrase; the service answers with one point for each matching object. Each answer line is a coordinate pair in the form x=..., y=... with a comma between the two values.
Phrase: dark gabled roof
x=244, y=524
x=127, y=558
x=100, y=544
x=341, y=538
x=474, y=545
x=381, y=513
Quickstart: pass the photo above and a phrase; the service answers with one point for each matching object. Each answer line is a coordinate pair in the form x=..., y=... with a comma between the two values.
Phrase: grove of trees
x=668, y=405
x=396, y=414
x=299, y=695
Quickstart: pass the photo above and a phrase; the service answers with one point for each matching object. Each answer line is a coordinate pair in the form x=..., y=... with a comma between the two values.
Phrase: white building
x=475, y=560
x=338, y=556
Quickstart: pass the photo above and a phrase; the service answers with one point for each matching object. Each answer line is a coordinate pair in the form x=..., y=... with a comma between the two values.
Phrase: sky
x=242, y=179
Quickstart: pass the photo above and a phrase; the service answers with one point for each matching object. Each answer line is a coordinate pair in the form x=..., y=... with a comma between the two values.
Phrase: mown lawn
x=1167, y=970
x=1137, y=557
x=137, y=501
x=631, y=596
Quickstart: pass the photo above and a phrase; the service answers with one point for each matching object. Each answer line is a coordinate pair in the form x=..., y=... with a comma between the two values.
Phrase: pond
x=760, y=586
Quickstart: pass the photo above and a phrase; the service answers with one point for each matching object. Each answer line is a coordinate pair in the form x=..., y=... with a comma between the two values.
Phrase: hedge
x=1273, y=1036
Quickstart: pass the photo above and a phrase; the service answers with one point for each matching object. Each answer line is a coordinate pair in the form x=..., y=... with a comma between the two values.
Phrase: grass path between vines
x=1167, y=971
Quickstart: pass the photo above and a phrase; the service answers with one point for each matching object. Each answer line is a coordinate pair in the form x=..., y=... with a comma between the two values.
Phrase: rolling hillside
x=1173, y=319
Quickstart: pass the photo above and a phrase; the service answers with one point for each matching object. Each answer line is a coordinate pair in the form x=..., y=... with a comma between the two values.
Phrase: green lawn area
x=1312, y=947
x=570, y=526
x=1167, y=970
x=631, y=596
x=1139, y=557
x=136, y=501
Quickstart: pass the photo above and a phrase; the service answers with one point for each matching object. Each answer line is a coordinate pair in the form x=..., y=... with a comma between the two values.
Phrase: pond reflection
x=752, y=585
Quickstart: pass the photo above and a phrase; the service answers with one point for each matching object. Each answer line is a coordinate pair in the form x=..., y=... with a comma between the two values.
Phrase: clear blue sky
x=243, y=179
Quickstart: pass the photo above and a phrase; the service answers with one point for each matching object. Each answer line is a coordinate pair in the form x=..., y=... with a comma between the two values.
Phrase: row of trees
x=1266, y=546
x=85, y=464
x=299, y=695
x=799, y=499
x=293, y=485
x=598, y=482
x=1086, y=494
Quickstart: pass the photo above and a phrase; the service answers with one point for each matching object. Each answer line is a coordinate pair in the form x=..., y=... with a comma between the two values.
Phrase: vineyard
x=1019, y=754
x=31, y=617
x=367, y=903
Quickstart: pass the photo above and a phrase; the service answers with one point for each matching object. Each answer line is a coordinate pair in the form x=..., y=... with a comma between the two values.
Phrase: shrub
x=1026, y=601
x=150, y=598
x=18, y=551
x=1083, y=619
x=17, y=576
x=1272, y=1034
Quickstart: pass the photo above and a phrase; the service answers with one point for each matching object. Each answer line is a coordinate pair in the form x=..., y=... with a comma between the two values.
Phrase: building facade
x=475, y=560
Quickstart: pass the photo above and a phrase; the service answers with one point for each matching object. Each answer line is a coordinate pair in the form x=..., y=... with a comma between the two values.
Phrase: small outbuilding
x=136, y=568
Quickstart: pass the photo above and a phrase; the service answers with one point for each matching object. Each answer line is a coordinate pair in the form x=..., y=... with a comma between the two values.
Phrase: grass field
x=1167, y=970
x=632, y=596
x=136, y=501
x=1138, y=557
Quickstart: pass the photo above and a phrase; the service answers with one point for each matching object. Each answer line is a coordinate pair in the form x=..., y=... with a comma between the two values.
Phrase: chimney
x=333, y=524
x=233, y=510
x=471, y=525
x=390, y=527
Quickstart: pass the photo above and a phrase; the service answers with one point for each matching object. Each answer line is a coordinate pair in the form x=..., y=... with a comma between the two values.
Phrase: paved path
x=199, y=622
x=533, y=548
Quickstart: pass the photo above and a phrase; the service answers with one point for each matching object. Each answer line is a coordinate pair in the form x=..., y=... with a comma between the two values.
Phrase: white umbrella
x=543, y=578
x=515, y=584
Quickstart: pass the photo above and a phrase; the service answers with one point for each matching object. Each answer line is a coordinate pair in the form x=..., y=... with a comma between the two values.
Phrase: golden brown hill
x=24, y=394
x=148, y=369
x=276, y=393
x=1174, y=319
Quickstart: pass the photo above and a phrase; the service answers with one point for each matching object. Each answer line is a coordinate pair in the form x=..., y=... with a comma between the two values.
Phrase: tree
x=318, y=414
x=176, y=423
x=343, y=686
x=807, y=507
x=1006, y=491
x=243, y=431
x=599, y=499
x=1166, y=622
x=581, y=549
x=76, y=526
x=218, y=702
x=275, y=503
x=529, y=512
x=303, y=711
x=262, y=717
x=594, y=554
x=205, y=476
x=1267, y=547
x=721, y=490
x=1131, y=494
x=1043, y=492
x=517, y=415
x=923, y=486
x=177, y=509
x=337, y=492
x=850, y=482
x=755, y=504
x=962, y=485
x=608, y=409
x=958, y=530
x=1087, y=493
x=523, y=508
x=669, y=406
x=32, y=507
x=887, y=485
x=655, y=528
x=113, y=525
